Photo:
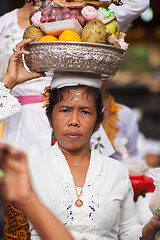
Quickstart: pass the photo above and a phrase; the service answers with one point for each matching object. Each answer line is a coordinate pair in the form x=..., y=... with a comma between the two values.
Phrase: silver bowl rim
x=76, y=43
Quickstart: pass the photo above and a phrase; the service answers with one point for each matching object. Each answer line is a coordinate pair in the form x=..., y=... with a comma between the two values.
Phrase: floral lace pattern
x=9, y=105
x=69, y=211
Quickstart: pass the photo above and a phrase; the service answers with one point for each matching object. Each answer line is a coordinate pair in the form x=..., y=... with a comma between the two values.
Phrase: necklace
x=76, y=163
x=78, y=202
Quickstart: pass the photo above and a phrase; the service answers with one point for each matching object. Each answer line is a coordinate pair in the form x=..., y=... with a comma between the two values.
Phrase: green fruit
x=114, y=27
x=34, y=33
x=95, y=32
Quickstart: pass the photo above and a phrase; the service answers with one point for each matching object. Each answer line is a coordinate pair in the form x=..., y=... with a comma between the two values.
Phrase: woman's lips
x=73, y=135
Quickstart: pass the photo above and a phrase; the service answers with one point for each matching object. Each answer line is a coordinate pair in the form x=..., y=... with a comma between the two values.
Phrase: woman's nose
x=74, y=119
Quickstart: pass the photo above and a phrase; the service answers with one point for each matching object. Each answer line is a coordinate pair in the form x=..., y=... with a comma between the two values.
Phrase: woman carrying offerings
x=90, y=194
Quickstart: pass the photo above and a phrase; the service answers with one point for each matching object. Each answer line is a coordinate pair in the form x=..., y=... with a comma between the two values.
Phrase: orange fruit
x=69, y=35
x=48, y=38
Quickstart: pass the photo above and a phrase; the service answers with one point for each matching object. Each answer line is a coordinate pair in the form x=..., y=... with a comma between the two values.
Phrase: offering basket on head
x=101, y=59
x=87, y=55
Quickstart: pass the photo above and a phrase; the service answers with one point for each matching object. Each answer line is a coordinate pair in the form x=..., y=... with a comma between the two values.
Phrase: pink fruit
x=52, y=18
x=72, y=17
x=46, y=13
x=35, y=19
x=66, y=16
x=74, y=12
x=89, y=13
x=55, y=11
x=81, y=20
x=43, y=19
x=65, y=11
x=59, y=17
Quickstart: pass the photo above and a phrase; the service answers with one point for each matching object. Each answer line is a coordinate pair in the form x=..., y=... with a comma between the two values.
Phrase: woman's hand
x=151, y=229
x=16, y=73
x=15, y=183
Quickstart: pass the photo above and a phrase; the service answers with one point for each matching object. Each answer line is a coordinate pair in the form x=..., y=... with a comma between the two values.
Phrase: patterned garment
x=15, y=224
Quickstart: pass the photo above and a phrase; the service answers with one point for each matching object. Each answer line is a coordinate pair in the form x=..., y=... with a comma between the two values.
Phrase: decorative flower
x=46, y=96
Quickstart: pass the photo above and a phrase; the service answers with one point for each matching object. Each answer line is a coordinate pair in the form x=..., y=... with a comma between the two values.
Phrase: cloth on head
x=65, y=79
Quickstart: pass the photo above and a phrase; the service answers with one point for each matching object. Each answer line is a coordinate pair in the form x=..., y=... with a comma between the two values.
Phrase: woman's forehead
x=79, y=93
x=78, y=97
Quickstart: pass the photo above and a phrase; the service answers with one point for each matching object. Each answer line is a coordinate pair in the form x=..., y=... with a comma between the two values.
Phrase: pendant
x=78, y=203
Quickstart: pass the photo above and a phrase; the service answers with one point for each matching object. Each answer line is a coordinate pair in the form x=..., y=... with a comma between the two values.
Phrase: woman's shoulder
x=110, y=163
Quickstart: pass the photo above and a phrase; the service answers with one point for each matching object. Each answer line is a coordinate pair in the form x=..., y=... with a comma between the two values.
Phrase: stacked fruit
x=57, y=14
x=89, y=24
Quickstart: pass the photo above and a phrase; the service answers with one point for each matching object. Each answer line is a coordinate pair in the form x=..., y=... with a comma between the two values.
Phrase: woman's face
x=74, y=120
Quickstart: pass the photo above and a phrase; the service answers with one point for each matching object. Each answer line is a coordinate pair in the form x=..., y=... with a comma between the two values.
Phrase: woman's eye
x=85, y=112
x=64, y=110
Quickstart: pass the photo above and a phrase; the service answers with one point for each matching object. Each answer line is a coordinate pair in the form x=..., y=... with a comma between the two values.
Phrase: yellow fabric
x=2, y=129
x=111, y=118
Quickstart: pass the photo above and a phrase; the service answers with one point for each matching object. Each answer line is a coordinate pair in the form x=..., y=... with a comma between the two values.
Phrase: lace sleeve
x=9, y=105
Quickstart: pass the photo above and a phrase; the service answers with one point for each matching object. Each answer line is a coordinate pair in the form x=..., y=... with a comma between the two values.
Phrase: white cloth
x=31, y=124
x=73, y=78
x=9, y=105
x=129, y=11
x=143, y=210
x=128, y=129
x=101, y=143
x=108, y=210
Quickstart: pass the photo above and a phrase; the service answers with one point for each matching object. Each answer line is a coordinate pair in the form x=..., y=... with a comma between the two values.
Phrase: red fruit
x=55, y=11
x=81, y=20
x=46, y=13
x=74, y=12
x=72, y=17
x=66, y=16
x=65, y=11
x=43, y=19
x=52, y=18
x=158, y=215
x=59, y=17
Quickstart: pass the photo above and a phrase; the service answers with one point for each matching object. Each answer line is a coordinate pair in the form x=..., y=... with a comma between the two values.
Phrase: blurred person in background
x=151, y=154
x=150, y=150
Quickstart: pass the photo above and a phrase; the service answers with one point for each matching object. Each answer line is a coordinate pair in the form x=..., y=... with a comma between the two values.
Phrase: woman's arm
x=15, y=187
x=129, y=11
x=151, y=229
x=16, y=73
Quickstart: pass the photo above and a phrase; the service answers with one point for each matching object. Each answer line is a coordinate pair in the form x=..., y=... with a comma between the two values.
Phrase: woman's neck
x=78, y=163
x=23, y=15
x=77, y=155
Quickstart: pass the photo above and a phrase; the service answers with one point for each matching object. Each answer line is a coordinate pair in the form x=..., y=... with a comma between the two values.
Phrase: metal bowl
x=59, y=56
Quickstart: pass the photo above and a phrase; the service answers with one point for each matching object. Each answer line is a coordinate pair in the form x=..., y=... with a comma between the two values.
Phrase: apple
x=114, y=27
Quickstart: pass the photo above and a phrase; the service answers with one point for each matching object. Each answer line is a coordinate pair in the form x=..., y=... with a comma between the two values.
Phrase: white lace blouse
x=9, y=105
x=108, y=211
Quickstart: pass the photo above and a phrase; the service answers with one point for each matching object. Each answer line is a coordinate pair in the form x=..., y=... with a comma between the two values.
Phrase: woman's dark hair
x=31, y=1
x=56, y=95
